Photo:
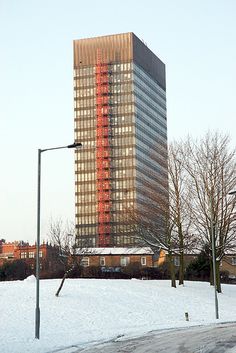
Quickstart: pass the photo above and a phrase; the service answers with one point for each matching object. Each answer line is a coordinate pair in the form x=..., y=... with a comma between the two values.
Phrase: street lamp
x=37, y=310
x=213, y=249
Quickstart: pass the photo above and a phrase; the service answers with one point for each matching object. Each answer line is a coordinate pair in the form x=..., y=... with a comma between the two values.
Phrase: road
x=220, y=338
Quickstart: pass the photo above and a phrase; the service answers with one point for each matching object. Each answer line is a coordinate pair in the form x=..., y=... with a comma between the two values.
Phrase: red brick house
x=20, y=250
x=112, y=259
x=228, y=264
x=109, y=258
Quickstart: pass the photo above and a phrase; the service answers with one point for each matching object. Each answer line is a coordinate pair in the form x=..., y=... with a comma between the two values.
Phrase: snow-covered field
x=92, y=310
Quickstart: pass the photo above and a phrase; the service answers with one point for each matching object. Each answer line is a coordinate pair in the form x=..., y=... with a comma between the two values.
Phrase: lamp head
x=75, y=145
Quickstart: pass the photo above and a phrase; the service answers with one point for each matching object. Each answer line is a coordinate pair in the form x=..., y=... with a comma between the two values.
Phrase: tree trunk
x=218, y=284
x=172, y=271
x=181, y=268
x=66, y=274
x=181, y=246
x=62, y=282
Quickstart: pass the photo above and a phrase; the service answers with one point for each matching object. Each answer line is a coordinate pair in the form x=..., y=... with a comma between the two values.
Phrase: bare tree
x=70, y=255
x=152, y=224
x=179, y=201
x=212, y=170
x=162, y=216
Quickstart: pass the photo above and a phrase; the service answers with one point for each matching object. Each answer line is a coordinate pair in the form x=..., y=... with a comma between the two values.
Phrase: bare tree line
x=211, y=168
x=195, y=206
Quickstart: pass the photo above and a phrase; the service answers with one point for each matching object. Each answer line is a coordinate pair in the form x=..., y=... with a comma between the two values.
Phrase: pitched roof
x=115, y=251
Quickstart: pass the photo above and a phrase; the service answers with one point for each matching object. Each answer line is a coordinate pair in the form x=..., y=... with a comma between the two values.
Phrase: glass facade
x=151, y=134
x=120, y=119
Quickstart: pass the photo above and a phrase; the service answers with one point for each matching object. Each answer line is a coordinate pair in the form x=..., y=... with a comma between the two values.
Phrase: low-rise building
x=118, y=257
x=20, y=250
x=115, y=259
x=228, y=264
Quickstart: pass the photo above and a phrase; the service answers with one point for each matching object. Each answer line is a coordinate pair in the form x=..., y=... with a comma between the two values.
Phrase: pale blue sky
x=195, y=39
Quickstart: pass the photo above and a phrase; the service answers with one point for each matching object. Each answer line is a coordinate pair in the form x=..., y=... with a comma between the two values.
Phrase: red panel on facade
x=103, y=153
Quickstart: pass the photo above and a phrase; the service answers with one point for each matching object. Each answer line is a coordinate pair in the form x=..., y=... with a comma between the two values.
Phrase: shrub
x=91, y=272
x=14, y=270
x=132, y=270
x=199, y=269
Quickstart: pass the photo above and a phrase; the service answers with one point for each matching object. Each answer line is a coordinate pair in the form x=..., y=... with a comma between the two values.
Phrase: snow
x=92, y=310
x=116, y=251
x=31, y=278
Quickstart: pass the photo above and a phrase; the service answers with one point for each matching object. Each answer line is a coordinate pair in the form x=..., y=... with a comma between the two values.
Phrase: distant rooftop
x=116, y=251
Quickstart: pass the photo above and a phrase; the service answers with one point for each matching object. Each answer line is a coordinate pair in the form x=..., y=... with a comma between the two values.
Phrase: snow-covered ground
x=92, y=310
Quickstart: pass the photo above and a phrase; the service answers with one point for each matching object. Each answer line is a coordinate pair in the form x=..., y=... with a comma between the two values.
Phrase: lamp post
x=37, y=309
x=213, y=248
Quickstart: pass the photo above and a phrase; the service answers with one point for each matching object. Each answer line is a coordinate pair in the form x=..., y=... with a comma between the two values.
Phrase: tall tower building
x=120, y=118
